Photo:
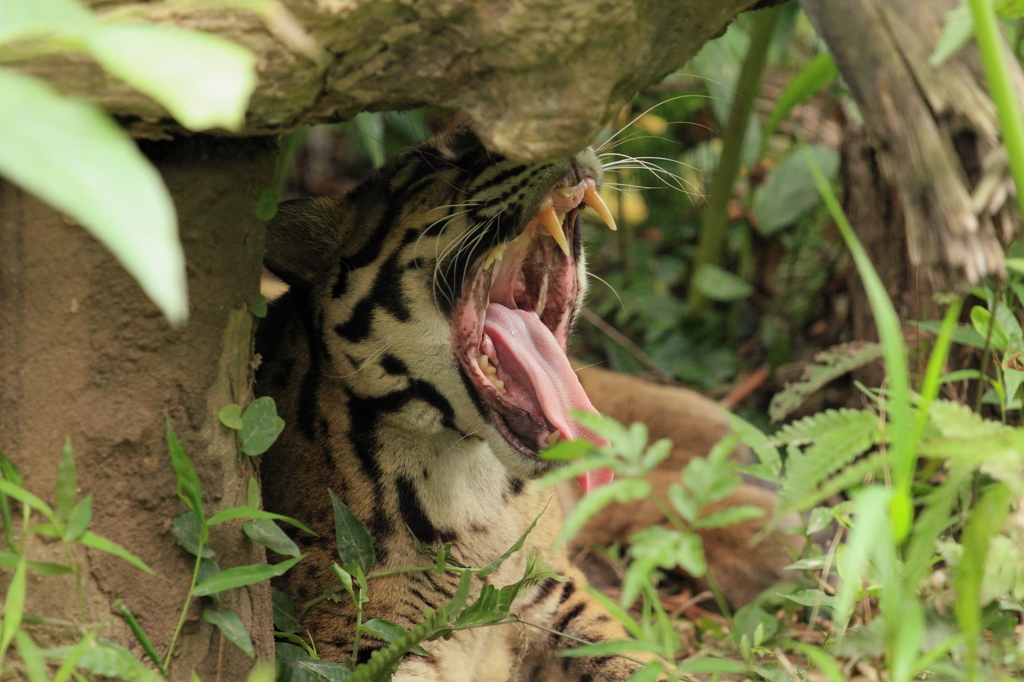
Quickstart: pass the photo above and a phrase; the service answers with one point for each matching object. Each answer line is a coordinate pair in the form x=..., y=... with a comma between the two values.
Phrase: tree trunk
x=934, y=131
x=84, y=354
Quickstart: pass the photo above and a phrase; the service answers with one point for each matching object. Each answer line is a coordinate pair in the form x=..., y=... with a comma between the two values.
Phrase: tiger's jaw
x=511, y=325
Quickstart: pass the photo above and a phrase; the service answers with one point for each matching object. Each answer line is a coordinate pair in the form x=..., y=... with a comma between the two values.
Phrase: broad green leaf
x=203, y=80
x=260, y=426
x=962, y=334
x=21, y=19
x=187, y=529
x=461, y=593
x=284, y=612
x=25, y=497
x=355, y=545
x=721, y=285
x=104, y=659
x=11, y=560
x=188, y=486
x=231, y=625
x=649, y=673
x=79, y=519
x=248, y=512
x=14, y=605
x=389, y=632
x=96, y=542
x=75, y=158
x=326, y=670
x=269, y=534
x=758, y=442
x=66, y=488
x=71, y=656
x=981, y=319
x=658, y=548
x=241, y=576
x=231, y=416
x=35, y=666
x=814, y=76
x=789, y=190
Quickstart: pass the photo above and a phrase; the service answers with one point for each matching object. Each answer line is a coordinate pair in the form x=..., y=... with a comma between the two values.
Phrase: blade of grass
x=902, y=454
x=1000, y=85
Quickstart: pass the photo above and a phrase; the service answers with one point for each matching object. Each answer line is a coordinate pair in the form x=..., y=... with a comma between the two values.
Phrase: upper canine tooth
x=592, y=199
x=549, y=219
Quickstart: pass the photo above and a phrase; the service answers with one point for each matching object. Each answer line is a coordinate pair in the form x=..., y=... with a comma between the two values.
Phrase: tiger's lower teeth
x=554, y=437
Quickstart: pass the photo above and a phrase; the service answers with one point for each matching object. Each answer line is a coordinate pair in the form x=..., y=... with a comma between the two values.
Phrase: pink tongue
x=528, y=352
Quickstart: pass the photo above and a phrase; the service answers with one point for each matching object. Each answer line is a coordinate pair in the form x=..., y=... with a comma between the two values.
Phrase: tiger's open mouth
x=512, y=322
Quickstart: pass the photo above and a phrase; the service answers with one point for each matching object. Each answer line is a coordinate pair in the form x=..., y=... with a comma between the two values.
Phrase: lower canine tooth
x=499, y=384
x=592, y=199
x=549, y=219
x=554, y=437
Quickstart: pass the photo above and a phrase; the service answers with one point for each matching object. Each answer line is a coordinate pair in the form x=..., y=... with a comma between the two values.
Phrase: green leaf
x=188, y=487
x=758, y=442
x=789, y=190
x=187, y=529
x=23, y=19
x=825, y=662
x=241, y=576
x=230, y=624
x=284, y=612
x=203, y=80
x=269, y=534
x=962, y=334
x=75, y=158
x=289, y=145
x=25, y=497
x=103, y=659
x=252, y=494
x=355, y=545
x=78, y=520
x=814, y=76
x=258, y=306
x=140, y=635
x=871, y=528
x=660, y=548
x=11, y=560
x=810, y=598
x=248, y=512
x=957, y=30
x=566, y=450
x=721, y=285
x=231, y=416
x=260, y=426
x=35, y=666
x=621, y=490
x=981, y=319
x=709, y=665
x=70, y=655
x=827, y=365
x=389, y=632
x=66, y=488
x=729, y=516
x=649, y=673
x=104, y=545
x=327, y=670
x=983, y=522
x=14, y=605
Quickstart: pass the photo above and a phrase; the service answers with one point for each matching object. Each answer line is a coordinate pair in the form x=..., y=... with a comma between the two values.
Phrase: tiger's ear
x=304, y=237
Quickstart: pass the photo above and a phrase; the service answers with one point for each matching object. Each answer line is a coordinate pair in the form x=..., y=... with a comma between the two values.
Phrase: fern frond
x=826, y=424
x=954, y=420
x=382, y=662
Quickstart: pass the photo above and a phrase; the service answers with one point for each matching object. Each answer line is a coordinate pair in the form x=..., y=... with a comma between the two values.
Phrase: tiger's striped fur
x=363, y=363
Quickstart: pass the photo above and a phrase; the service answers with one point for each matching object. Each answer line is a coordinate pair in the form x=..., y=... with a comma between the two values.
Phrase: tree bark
x=539, y=78
x=934, y=131
x=84, y=354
